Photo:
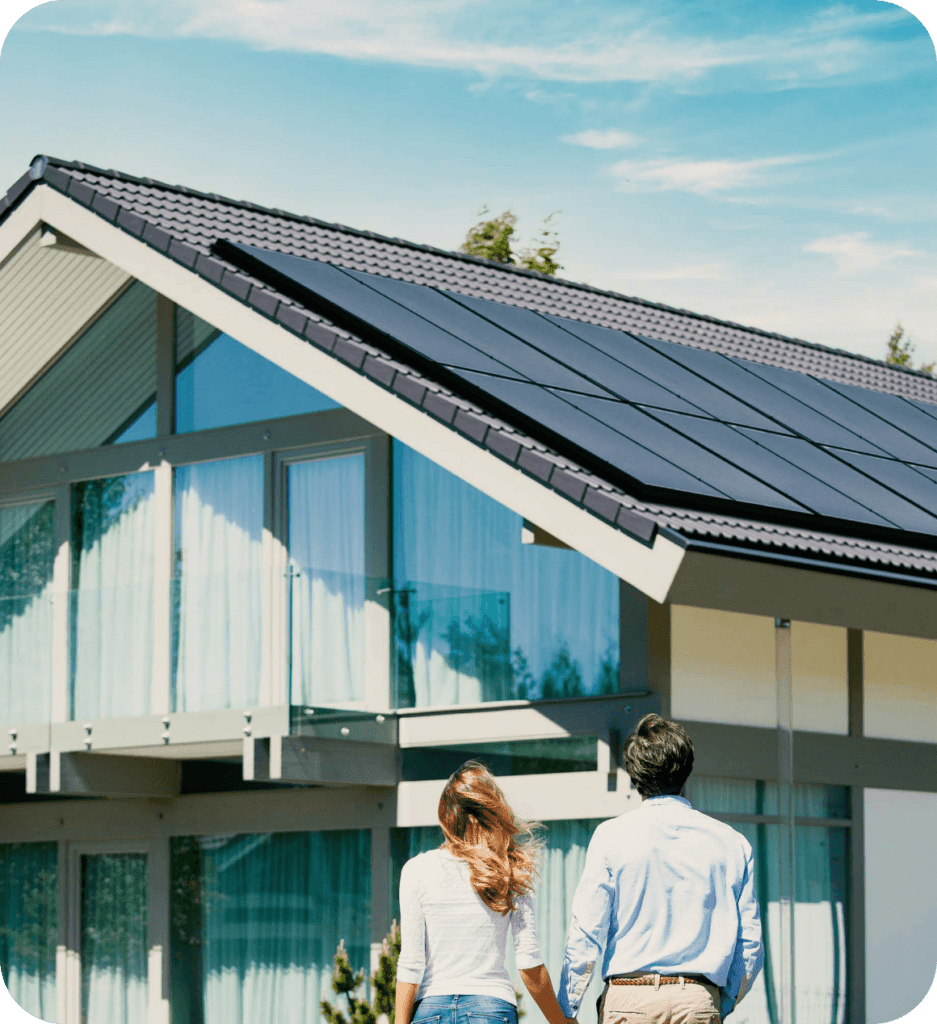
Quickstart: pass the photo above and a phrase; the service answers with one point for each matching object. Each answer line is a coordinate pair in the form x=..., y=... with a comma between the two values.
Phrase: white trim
x=19, y=225
x=649, y=569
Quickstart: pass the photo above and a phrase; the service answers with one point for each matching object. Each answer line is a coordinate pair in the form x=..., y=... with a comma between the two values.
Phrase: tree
x=900, y=349
x=346, y=982
x=490, y=239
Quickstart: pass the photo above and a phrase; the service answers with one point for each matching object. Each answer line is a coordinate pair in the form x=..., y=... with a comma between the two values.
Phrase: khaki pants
x=687, y=1003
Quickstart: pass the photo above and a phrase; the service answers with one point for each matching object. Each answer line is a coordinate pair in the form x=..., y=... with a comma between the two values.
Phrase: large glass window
x=256, y=920
x=820, y=893
x=327, y=583
x=98, y=387
x=29, y=924
x=220, y=382
x=113, y=533
x=218, y=584
x=27, y=553
x=481, y=616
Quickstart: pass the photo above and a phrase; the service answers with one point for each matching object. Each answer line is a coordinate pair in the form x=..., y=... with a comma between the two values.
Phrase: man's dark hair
x=658, y=756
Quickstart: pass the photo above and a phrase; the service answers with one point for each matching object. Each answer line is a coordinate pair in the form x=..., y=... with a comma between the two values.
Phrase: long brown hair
x=480, y=828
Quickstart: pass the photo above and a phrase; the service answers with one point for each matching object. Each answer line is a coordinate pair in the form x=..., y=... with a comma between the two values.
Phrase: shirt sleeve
x=412, y=960
x=749, y=956
x=524, y=932
x=588, y=928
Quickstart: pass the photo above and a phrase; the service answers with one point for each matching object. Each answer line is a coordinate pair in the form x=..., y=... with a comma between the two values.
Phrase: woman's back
x=452, y=942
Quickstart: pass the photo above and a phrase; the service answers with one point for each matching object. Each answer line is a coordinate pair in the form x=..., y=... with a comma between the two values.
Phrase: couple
x=667, y=894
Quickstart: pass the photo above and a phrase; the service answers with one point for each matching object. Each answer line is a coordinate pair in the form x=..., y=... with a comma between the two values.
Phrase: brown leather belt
x=665, y=979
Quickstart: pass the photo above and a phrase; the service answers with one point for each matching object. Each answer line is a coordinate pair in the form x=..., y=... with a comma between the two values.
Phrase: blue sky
x=767, y=162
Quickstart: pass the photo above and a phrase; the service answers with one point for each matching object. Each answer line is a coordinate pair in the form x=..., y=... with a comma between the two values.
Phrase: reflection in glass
x=217, y=584
x=94, y=389
x=27, y=553
x=220, y=382
x=113, y=938
x=113, y=531
x=327, y=583
x=480, y=616
x=256, y=920
x=29, y=922
x=820, y=921
x=506, y=757
x=142, y=426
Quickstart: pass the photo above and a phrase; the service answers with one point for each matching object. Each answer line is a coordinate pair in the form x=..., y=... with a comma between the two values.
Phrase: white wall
x=901, y=901
x=900, y=687
x=723, y=670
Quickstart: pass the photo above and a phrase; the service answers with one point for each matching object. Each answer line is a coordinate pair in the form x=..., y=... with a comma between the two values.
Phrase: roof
x=185, y=225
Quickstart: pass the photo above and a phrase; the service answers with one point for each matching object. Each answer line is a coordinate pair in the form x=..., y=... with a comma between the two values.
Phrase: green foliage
x=900, y=350
x=346, y=982
x=490, y=239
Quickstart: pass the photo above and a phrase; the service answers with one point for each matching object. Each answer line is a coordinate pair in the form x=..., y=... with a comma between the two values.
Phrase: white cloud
x=476, y=35
x=607, y=138
x=700, y=176
x=855, y=253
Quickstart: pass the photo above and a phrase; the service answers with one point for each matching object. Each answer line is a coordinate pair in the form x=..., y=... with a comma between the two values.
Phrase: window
x=218, y=584
x=256, y=920
x=480, y=616
x=111, y=600
x=220, y=382
x=98, y=387
x=27, y=553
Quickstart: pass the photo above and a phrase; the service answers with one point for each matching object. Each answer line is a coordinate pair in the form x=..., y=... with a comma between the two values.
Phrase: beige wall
x=900, y=687
x=723, y=670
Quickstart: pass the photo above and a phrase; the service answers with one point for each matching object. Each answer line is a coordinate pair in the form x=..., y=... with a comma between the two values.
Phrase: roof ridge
x=464, y=257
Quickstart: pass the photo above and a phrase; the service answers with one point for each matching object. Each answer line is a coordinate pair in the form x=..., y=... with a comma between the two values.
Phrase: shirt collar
x=664, y=801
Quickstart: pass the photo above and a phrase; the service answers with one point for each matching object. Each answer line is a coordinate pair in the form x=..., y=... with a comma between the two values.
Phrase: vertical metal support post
x=165, y=366
x=658, y=653
x=378, y=570
x=380, y=890
x=158, y=932
x=61, y=607
x=786, y=863
x=856, y=923
x=61, y=942
x=274, y=672
x=633, y=670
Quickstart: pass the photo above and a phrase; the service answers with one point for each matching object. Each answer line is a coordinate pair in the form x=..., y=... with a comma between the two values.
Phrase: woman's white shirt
x=451, y=942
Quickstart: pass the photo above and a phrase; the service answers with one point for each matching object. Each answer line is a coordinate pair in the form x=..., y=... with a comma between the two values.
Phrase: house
x=295, y=518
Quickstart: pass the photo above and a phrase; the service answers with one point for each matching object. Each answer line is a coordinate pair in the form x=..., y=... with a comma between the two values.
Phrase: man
x=668, y=894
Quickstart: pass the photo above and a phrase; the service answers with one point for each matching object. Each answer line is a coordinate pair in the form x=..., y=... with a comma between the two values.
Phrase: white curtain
x=327, y=582
x=112, y=597
x=217, y=592
x=29, y=919
x=270, y=910
x=481, y=616
x=820, y=951
x=113, y=938
x=27, y=552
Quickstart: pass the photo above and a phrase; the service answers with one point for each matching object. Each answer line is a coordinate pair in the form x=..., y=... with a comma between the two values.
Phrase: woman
x=457, y=905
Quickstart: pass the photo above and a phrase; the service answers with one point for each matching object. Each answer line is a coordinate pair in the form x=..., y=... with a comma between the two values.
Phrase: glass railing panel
x=25, y=660
x=111, y=650
x=514, y=757
x=217, y=640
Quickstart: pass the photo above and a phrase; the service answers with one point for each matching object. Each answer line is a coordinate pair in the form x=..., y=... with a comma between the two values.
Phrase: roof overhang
x=648, y=567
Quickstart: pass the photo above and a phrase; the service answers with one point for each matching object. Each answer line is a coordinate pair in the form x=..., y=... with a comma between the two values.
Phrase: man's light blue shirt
x=668, y=890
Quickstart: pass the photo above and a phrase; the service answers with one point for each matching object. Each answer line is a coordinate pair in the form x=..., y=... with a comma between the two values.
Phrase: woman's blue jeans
x=464, y=1010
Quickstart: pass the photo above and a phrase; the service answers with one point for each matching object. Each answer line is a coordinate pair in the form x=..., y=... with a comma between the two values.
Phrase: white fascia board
x=553, y=797
x=21, y=222
x=649, y=569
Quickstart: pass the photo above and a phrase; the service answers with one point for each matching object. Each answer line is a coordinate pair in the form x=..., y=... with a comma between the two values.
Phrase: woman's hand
x=403, y=1003
x=537, y=982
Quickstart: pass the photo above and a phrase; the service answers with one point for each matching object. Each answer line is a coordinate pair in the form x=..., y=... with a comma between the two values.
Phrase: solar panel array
x=669, y=418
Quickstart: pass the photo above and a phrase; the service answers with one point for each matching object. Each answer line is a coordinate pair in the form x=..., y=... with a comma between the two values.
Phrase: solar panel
x=645, y=359
x=588, y=433
x=916, y=485
x=865, y=432
x=350, y=296
x=676, y=448
x=664, y=416
x=437, y=308
x=777, y=472
x=823, y=465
